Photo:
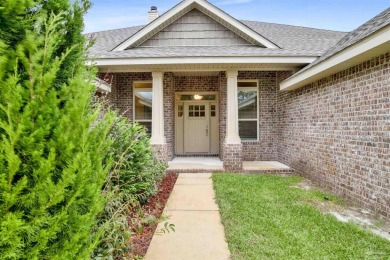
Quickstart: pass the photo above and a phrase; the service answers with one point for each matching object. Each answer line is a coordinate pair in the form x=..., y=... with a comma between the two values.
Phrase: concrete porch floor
x=214, y=164
x=196, y=163
x=264, y=165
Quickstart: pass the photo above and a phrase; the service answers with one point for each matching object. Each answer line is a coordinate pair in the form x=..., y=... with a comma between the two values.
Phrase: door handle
x=207, y=130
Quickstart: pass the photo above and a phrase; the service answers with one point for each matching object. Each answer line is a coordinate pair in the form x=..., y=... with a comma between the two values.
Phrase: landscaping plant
x=139, y=172
x=53, y=163
x=134, y=176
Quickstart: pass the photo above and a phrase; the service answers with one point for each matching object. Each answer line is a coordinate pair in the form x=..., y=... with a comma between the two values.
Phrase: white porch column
x=232, y=135
x=158, y=110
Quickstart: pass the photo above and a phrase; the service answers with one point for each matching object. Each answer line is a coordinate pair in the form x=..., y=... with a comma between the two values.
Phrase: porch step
x=264, y=167
x=214, y=164
x=195, y=165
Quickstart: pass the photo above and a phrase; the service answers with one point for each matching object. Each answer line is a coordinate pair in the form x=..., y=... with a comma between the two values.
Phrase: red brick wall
x=336, y=131
x=266, y=148
x=121, y=96
x=196, y=83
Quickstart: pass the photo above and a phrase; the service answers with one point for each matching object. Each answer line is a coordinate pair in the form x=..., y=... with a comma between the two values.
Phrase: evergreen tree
x=52, y=150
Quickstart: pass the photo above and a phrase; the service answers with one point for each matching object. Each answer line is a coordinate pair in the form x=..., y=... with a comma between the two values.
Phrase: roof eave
x=304, y=60
x=371, y=46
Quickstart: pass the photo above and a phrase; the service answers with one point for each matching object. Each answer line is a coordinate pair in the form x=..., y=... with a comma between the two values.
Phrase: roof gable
x=183, y=8
x=195, y=29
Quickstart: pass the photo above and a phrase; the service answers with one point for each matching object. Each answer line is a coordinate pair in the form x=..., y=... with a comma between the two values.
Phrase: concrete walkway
x=199, y=233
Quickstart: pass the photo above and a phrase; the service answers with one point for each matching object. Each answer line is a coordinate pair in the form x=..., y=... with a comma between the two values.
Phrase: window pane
x=143, y=104
x=192, y=97
x=143, y=85
x=148, y=126
x=248, y=130
x=180, y=111
x=247, y=84
x=247, y=104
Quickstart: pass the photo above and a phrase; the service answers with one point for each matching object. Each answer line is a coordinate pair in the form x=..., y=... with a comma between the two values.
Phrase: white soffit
x=373, y=45
x=184, y=7
x=204, y=60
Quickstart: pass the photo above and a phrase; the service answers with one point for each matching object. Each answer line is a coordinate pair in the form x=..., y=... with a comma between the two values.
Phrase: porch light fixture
x=198, y=97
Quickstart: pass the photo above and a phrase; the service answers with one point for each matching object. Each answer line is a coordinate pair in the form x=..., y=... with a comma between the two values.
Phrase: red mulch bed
x=155, y=207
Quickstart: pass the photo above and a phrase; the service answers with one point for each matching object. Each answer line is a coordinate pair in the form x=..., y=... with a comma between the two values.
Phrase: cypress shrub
x=53, y=152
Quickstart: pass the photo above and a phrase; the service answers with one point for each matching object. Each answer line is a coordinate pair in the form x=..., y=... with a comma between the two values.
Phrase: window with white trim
x=143, y=97
x=248, y=113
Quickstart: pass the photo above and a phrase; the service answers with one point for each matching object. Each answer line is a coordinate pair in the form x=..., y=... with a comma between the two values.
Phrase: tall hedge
x=53, y=153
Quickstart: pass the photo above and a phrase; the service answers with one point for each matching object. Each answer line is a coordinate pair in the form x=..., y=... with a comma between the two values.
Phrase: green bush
x=134, y=176
x=138, y=172
x=53, y=164
x=113, y=224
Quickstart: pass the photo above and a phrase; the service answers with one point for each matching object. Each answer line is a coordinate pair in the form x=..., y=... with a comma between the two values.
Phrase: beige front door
x=197, y=127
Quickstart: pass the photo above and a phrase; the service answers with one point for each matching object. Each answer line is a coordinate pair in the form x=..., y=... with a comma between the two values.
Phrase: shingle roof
x=365, y=30
x=292, y=40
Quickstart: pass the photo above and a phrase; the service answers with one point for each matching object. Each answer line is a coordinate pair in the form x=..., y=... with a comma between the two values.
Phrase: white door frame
x=178, y=135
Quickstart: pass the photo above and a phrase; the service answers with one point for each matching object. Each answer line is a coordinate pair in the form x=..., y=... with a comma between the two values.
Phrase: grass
x=266, y=218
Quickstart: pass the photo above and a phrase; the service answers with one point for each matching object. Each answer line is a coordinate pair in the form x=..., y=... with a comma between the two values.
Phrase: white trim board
x=371, y=46
x=198, y=69
x=203, y=60
x=183, y=8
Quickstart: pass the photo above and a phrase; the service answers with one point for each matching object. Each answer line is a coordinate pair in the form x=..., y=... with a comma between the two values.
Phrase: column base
x=160, y=152
x=232, y=157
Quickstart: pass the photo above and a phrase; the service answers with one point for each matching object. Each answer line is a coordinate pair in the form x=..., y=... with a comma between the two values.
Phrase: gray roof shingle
x=292, y=40
x=363, y=31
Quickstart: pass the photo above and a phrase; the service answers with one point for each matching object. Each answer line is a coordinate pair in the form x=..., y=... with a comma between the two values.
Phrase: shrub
x=53, y=164
x=113, y=224
x=138, y=172
x=134, y=176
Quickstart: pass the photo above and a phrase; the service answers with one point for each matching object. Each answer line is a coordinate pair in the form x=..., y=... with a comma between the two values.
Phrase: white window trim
x=198, y=93
x=258, y=105
x=140, y=89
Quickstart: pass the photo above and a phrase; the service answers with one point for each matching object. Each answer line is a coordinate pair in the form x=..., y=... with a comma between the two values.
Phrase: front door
x=196, y=127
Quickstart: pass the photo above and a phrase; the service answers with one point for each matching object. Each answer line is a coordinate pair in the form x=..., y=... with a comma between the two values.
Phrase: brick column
x=158, y=140
x=232, y=146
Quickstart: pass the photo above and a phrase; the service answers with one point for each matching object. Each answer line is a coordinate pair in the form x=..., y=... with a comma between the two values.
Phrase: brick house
x=206, y=84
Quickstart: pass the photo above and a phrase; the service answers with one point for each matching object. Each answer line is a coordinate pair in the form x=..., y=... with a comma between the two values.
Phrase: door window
x=197, y=111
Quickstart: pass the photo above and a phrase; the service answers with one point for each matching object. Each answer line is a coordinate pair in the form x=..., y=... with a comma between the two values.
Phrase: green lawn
x=266, y=218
